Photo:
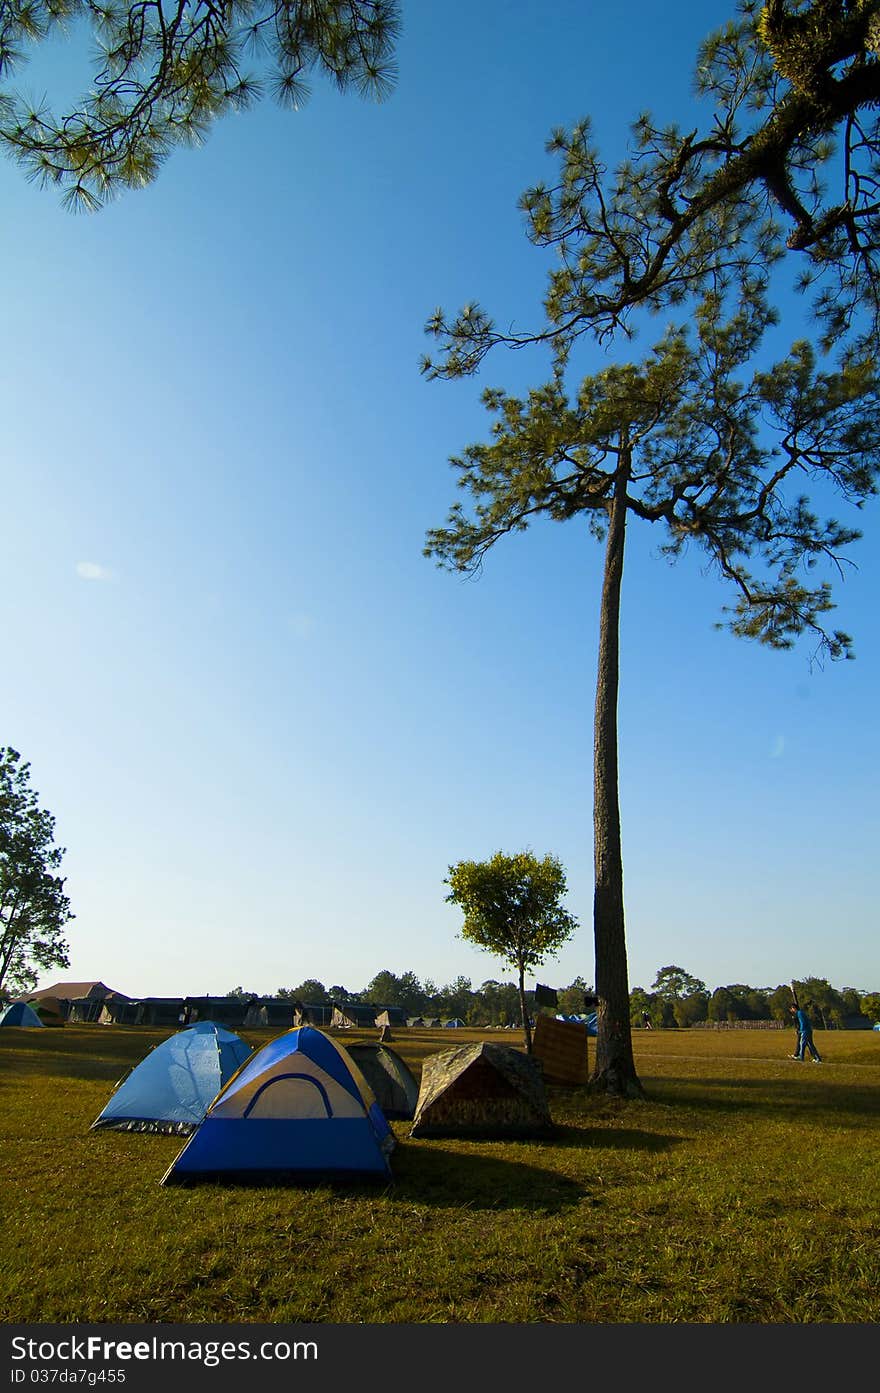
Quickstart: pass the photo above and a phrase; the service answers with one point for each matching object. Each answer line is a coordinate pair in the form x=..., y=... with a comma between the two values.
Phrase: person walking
x=805, y=1035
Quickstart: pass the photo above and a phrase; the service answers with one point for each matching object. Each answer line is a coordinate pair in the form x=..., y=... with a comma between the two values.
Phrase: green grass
x=744, y=1190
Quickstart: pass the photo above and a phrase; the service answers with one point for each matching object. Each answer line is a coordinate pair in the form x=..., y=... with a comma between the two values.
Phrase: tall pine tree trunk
x=615, y=1070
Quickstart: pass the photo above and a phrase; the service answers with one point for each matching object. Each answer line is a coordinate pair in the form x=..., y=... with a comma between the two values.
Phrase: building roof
x=75, y=991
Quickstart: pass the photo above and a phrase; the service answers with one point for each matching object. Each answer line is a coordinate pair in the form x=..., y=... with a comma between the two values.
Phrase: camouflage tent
x=50, y=1010
x=481, y=1089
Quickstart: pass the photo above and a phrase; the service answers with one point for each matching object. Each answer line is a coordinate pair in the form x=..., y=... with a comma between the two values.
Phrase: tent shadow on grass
x=431, y=1172
x=614, y=1139
x=813, y=1094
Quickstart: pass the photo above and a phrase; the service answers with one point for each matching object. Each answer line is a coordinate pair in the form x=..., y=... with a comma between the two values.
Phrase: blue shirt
x=803, y=1022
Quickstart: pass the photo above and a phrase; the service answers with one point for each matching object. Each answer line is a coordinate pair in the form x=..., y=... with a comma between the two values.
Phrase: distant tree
x=850, y=1005
x=820, y=1000
x=672, y=983
x=722, y=1005
x=739, y=1002
x=311, y=992
x=383, y=989
x=691, y=1009
x=511, y=907
x=641, y=1004
x=499, y=1003
x=571, y=998
x=684, y=999
x=342, y=995
x=455, y=999
x=870, y=1005
x=411, y=994
x=34, y=908
x=166, y=71
x=756, y=1003
x=779, y=1000
x=241, y=994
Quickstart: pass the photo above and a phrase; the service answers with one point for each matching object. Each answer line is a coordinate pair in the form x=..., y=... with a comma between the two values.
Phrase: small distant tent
x=391, y=1015
x=481, y=1089
x=299, y=1107
x=454, y=1024
x=305, y=1013
x=389, y=1077
x=173, y=1087
x=271, y=1011
x=229, y=1011
x=18, y=1013
x=161, y=1010
x=353, y=1015
x=119, y=1010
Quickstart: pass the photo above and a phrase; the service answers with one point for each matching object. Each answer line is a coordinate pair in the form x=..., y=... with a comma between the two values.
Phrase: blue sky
x=265, y=723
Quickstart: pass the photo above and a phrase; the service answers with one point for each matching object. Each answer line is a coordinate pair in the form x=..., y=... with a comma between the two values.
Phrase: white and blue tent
x=19, y=1013
x=173, y=1087
x=590, y=1021
x=299, y=1107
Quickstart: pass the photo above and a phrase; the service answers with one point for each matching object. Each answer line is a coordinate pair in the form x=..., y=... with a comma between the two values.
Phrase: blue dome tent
x=19, y=1013
x=173, y=1087
x=299, y=1107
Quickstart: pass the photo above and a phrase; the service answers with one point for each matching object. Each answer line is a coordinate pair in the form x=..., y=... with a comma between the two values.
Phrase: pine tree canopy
x=167, y=68
x=787, y=160
x=717, y=461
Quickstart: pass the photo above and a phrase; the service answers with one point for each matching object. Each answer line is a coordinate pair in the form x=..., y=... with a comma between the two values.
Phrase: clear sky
x=265, y=723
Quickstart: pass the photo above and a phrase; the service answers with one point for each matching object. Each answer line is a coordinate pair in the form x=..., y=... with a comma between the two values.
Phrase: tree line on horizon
x=675, y=1000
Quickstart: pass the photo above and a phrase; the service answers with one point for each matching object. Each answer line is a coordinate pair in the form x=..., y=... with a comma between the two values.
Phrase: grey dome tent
x=20, y=1014
x=173, y=1087
x=389, y=1077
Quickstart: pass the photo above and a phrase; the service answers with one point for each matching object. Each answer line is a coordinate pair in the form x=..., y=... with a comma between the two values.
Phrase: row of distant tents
x=50, y=1011
x=95, y=1003
x=305, y=1104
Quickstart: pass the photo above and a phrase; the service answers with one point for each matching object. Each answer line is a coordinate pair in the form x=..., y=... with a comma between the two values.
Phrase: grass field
x=747, y=1189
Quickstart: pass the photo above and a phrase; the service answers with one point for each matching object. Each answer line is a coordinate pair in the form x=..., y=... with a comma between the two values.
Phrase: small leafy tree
x=511, y=907
x=33, y=906
x=166, y=69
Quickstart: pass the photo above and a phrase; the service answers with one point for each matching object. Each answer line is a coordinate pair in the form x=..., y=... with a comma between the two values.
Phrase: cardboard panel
x=561, y=1047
